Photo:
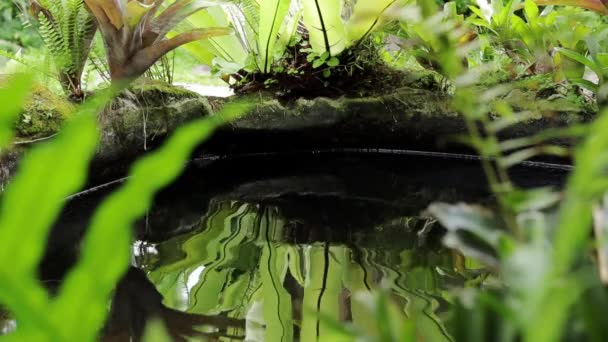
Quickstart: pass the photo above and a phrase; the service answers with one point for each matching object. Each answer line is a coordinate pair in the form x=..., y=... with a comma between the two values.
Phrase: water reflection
x=278, y=248
x=287, y=279
x=137, y=302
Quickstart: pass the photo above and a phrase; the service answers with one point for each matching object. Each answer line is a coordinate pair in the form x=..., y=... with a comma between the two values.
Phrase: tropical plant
x=288, y=37
x=329, y=32
x=16, y=32
x=134, y=32
x=420, y=39
x=67, y=29
x=540, y=256
x=63, y=318
x=530, y=40
x=596, y=60
x=263, y=30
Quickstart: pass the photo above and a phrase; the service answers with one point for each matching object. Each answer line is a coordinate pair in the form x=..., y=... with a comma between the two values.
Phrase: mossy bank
x=410, y=117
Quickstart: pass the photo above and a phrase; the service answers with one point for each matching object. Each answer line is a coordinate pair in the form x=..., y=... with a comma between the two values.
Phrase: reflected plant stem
x=324, y=285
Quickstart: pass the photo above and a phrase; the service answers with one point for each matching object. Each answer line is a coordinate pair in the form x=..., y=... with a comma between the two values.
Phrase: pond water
x=281, y=247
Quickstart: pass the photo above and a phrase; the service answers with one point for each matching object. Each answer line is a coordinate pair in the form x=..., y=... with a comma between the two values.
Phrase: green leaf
x=367, y=15
x=333, y=62
x=532, y=199
x=324, y=56
x=327, y=73
x=323, y=20
x=531, y=10
x=575, y=56
x=272, y=16
x=12, y=97
x=317, y=63
x=47, y=175
x=289, y=33
x=226, y=48
x=106, y=247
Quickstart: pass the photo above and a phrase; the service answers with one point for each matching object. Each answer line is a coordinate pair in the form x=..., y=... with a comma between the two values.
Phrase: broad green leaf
x=333, y=62
x=222, y=47
x=41, y=189
x=366, y=17
x=47, y=175
x=556, y=309
x=317, y=63
x=324, y=23
x=12, y=96
x=575, y=56
x=272, y=17
x=288, y=32
x=533, y=199
x=531, y=10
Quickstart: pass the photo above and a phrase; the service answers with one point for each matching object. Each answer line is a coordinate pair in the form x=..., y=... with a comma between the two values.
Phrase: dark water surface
x=277, y=248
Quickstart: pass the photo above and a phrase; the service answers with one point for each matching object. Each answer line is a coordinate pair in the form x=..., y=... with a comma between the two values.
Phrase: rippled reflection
x=286, y=279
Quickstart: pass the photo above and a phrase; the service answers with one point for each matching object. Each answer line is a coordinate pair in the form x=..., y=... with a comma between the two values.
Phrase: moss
x=158, y=94
x=43, y=113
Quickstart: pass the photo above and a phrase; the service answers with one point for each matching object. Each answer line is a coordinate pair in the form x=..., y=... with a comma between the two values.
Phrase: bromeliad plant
x=134, y=31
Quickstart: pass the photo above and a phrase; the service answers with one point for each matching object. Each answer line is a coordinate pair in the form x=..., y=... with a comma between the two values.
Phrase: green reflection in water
x=245, y=262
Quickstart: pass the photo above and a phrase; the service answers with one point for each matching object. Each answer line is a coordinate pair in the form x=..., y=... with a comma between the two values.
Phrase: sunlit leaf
x=106, y=252
x=40, y=189
x=12, y=96
x=367, y=15
x=326, y=29
x=272, y=17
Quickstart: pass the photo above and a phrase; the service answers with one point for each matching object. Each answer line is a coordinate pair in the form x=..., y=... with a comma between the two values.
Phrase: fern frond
x=67, y=30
